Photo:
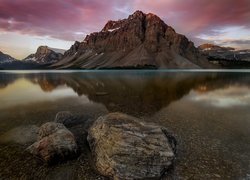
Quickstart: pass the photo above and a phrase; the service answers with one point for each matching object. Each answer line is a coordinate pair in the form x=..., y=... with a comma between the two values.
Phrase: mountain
x=214, y=52
x=212, y=47
x=9, y=63
x=45, y=55
x=140, y=41
x=5, y=58
x=226, y=57
x=72, y=51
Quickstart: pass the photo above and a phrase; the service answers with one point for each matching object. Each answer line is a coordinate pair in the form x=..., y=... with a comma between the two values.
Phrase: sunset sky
x=27, y=24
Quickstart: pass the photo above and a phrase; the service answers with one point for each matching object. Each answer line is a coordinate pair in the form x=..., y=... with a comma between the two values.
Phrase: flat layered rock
x=123, y=147
x=55, y=143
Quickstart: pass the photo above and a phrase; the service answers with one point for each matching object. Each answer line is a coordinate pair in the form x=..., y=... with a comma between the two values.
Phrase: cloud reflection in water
x=223, y=98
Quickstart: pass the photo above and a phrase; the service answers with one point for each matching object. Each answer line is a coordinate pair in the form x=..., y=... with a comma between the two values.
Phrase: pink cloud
x=57, y=18
x=199, y=16
x=64, y=19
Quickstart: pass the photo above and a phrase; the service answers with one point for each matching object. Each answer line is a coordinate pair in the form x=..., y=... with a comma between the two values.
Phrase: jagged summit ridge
x=129, y=33
x=138, y=41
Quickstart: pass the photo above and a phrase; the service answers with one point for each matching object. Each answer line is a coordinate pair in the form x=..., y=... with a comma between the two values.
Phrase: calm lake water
x=208, y=112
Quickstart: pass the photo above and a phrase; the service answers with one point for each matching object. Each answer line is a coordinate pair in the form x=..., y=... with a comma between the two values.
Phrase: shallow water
x=208, y=112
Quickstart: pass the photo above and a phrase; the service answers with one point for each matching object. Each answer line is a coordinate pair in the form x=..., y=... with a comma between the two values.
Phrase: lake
x=207, y=111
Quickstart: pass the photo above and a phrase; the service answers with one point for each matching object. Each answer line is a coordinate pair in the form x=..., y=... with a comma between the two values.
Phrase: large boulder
x=123, y=147
x=55, y=143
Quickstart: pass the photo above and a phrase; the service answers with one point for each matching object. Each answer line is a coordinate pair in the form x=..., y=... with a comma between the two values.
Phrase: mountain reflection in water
x=139, y=92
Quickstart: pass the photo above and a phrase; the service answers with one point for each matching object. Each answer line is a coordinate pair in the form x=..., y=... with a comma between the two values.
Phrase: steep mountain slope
x=5, y=58
x=140, y=41
x=44, y=55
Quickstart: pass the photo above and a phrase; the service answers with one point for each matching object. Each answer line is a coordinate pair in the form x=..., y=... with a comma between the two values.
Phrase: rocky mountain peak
x=153, y=17
x=42, y=50
x=44, y=55
x=111, y=26
x=141, y=39
x=137, y=14
x=129, y=33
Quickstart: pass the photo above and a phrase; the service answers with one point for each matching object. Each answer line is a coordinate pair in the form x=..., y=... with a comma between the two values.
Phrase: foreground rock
x=125, y=148
x=55, y=143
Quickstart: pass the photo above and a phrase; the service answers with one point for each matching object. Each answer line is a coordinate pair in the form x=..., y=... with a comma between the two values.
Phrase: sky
x=27, y=24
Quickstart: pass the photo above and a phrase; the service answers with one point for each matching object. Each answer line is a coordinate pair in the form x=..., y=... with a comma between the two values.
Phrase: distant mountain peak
x=42, y=50
x=213, y=47
x=5, y=58
x=44, y=55
x=227, y=56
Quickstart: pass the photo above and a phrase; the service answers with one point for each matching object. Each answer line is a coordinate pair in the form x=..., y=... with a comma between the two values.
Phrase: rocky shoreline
x=121, y=146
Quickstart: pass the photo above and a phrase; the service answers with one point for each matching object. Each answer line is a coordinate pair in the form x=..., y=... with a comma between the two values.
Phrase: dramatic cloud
x=58, y=18
x=242, y=44
x=194, y=17
x=63, y=19
x=72, y=19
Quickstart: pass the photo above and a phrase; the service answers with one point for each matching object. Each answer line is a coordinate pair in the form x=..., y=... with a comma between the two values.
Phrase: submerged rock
x=55, y=143
x=69, y=120
x=20, y=135
x=65, y=117
x=123, y=147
